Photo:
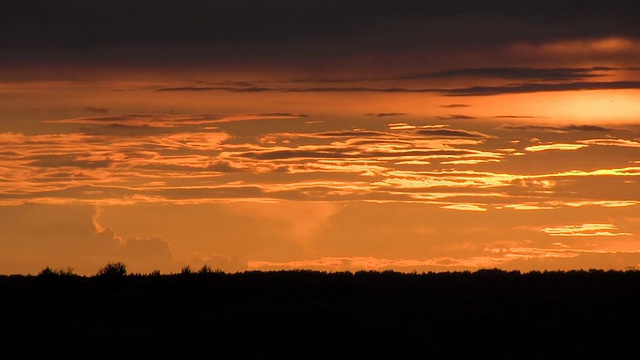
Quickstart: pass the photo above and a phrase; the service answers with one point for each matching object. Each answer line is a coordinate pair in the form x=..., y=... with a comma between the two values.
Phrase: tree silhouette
x=283, y=314
x=113, y=270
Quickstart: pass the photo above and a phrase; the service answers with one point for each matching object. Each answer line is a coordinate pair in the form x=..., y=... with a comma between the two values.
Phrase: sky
x=327, y=135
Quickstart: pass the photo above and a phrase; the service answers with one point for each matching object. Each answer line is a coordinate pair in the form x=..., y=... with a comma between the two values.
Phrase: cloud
x=224, y=263
x=350, y=89
x=455, y=117
x=468, y=162
x=355, y=263
x=537, y=148
x=419, y=163
x=628, y=171
x=300, y=222
x=386, y=114
x=444, y=179
x=451, y=133
x=556, y=129
x=145, y=254
x=540, y=87
x=585, y=230
x=520, y=258
x=532, y=87
x=455, y=106
x=605, y=203
x=97, y=110
x=320, y=152
x=595, y=46
x=465, y=207
x=516, y=73
x=612, y=142
x=527, y=207
x=73, y=236
x=349, y=133
x=515, y=117
x=401, y=126
x=171, y=121
x=372, y=41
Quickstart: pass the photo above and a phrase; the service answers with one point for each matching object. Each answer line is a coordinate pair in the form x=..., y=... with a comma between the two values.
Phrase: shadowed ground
x=491, y=314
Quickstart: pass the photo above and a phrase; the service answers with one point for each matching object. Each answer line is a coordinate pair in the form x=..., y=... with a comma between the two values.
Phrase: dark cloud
x=454, y=106
x=97, y=110
x=238, y=89
x=280, y=115
x=540, y=87
x=299, y=89
x=81, y=25
x=285, y=34
x=354, y=153
x=351, y=133
x=585, y=128
x=56, y=161
x=514, y=117
x=386, y=114
x=557, y=129
x=214, y=167
x=167, y=120
x=466, y=91
x=455, y=117
x=450, y=133
x=515, y=73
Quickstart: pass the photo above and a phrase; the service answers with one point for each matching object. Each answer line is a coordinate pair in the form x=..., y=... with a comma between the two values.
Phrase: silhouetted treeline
x=302, y=314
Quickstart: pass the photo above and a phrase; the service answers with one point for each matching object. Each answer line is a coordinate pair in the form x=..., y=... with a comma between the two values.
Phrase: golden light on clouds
x=585, y=230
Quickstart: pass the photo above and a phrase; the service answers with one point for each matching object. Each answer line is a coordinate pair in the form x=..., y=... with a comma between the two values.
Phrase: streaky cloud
x=353, y=89
x=514, y=117
x=556, y=129
x=515, y=73
x=536, y=148
x=454, y=106
x=585, y=230
x=533, y=87
x=465, y=207
x=451, y=133
x=386, y=114
x=97, y=110
x=351, y=133
x=455, y=117
x=612, y=142
x=540, y=87
x=171, y=121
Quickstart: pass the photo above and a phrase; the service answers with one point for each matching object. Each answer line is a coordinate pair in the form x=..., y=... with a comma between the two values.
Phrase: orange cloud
x=171, y=121
x=465, y=207
x=546, y=147
x=585, y=230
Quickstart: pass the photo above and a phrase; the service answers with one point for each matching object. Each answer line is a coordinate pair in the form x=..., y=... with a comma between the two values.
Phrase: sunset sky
x=326, y=135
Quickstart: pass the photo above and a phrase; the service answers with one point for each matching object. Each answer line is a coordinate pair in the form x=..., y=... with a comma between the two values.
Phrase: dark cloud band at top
x=79, y=24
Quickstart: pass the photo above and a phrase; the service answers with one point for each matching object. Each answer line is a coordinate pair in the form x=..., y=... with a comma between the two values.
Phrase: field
x=489, y=314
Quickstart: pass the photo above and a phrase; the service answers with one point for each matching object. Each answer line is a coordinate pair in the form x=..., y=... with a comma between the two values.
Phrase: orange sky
x=347, y=148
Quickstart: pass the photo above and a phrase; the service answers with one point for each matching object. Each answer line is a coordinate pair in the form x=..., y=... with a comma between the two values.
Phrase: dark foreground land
x=487, y=314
